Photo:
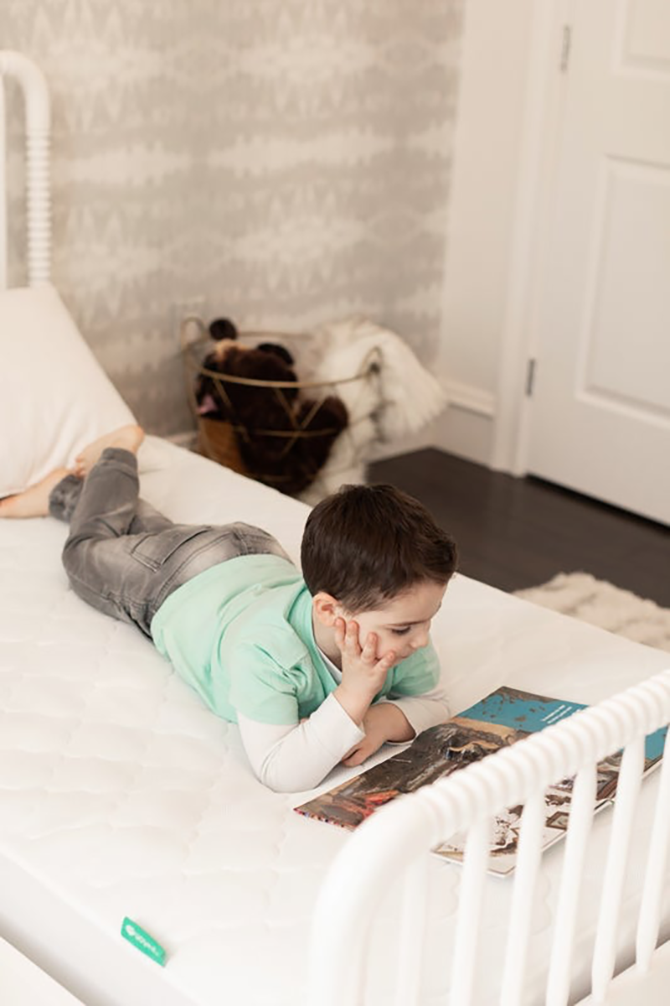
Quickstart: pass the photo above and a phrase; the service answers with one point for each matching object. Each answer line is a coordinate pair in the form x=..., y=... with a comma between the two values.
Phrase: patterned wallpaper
x=286, y=162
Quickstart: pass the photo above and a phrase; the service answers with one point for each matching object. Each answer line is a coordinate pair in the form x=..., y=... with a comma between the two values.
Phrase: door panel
x=601, y=408
x=646, y=34
x=627, y=346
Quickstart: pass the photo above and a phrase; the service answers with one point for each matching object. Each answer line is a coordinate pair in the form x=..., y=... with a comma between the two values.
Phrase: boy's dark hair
x=367, y=544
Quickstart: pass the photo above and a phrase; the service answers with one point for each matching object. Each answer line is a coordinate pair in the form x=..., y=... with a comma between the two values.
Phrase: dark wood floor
x=519, y=532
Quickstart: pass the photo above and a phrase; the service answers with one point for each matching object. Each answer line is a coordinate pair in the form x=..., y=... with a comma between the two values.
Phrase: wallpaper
x=282, y=162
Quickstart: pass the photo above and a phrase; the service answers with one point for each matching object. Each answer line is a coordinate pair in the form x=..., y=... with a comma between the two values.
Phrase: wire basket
x=290, y=455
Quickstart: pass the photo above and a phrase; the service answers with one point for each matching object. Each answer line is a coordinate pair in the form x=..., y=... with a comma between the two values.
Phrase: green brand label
x=141, y=939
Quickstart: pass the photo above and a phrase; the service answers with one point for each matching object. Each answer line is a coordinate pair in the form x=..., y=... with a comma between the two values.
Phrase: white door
x=600, y=413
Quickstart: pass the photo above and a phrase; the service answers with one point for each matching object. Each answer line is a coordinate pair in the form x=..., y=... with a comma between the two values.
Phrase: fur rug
x=603, y=604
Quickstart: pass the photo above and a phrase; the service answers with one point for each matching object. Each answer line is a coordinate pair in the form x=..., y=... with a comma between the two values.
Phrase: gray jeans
x=122, y=556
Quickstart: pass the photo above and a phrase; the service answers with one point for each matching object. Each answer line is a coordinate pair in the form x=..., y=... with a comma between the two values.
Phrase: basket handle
x=185, y=326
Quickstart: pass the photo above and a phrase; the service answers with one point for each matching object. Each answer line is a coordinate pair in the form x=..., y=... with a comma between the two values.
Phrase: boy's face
x=402, y=624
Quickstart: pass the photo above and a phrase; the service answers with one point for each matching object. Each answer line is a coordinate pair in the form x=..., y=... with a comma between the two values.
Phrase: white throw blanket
x=399, y=398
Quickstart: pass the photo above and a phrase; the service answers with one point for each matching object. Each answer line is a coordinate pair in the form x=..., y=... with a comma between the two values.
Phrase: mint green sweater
x=241, y=634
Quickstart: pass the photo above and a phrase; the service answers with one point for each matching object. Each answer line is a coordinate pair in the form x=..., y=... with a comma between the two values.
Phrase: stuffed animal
x=258, y=412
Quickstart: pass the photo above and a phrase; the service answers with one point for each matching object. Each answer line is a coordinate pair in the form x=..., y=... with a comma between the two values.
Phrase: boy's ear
x=326, y=608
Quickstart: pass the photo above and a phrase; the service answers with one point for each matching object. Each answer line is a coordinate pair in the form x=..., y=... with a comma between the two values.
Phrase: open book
x=503, y=717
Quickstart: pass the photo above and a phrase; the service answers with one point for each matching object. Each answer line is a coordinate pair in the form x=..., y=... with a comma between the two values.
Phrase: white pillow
x=54, y=396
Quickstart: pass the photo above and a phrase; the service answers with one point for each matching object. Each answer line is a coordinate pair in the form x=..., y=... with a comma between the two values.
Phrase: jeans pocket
x=256, y=541
x=153, y=550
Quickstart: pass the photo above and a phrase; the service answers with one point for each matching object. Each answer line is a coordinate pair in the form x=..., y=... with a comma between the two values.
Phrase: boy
x=316, y=669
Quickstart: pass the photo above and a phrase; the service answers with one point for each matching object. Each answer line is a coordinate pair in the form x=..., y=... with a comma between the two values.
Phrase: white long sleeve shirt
x=298, y=757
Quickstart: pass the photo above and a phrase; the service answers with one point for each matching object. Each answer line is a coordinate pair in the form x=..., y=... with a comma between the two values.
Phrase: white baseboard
x=404, y=445
x=186, y=438
x=467, y=426
x=469, y=398
x=467, y=435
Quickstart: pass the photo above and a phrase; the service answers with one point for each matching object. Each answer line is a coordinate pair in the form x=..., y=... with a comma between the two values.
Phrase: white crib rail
x=397, y=838
x=38, y=189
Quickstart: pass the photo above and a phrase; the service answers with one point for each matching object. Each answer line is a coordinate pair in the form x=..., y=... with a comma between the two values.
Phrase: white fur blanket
x=399, y=396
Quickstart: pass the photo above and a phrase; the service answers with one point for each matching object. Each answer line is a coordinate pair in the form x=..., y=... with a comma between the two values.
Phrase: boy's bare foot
x=34, y=501
x=128, y=437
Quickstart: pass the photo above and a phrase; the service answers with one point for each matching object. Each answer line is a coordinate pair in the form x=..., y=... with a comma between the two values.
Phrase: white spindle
x=375, y=855
x=604, y=954
x=38, y=186
x=475, y=862
x=528, y=861
x=39, y=207
x=652, y=894
x=412, y=932
x=579, y=829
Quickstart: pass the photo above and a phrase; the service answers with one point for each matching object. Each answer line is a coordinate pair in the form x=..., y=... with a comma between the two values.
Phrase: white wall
x=487, y=145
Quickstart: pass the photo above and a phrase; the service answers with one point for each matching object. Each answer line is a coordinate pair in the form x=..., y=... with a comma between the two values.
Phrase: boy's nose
x=420, y=639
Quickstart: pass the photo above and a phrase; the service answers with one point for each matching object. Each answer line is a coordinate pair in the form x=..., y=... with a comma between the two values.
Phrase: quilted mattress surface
x=122, y=795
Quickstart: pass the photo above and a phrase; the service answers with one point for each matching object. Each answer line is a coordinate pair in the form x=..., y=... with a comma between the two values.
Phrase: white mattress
x=120, y=794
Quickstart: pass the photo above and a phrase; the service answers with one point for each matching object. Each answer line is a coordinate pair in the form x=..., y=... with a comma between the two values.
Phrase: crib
x=120, y=794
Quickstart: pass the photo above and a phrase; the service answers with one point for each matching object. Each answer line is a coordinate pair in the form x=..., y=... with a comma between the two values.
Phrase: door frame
x=542, y=121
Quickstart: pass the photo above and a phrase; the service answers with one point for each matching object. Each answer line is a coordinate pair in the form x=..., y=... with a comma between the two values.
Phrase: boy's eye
x=400, y=632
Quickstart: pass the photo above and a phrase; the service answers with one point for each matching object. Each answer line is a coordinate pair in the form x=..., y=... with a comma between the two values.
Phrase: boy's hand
x=381, y=723
x=362, y=673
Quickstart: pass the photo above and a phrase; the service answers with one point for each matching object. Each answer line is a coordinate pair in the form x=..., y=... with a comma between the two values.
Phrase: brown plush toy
x=258, y=412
